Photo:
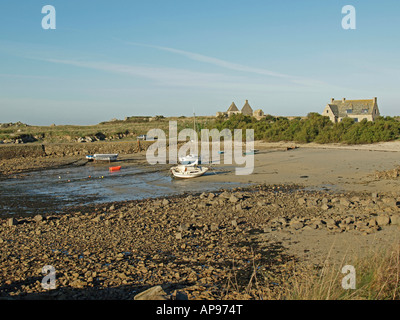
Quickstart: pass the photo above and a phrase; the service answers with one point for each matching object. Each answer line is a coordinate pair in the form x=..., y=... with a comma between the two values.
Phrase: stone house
x=246, y=110
x=358, y=110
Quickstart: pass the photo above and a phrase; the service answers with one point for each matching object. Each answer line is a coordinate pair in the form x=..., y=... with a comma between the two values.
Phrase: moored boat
x=105, y=157
x=188, y=171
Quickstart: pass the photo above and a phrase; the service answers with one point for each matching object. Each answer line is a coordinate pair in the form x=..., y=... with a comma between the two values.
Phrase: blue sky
x=112, y=59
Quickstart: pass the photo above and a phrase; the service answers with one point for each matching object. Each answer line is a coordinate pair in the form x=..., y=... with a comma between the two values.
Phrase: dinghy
x=186, y=172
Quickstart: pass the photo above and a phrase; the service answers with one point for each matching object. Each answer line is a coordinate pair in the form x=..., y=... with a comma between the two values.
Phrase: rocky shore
x=217, y=245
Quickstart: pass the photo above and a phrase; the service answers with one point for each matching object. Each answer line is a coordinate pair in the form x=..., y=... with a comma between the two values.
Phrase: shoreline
x=200, y=243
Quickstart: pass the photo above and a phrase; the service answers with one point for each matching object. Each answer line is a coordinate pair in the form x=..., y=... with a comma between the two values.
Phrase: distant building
x=232, y=109
x=358, y=110
x=246, y=110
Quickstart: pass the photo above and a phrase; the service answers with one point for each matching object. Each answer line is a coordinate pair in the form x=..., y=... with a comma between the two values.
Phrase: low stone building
x=247, y=110
x=358, y=110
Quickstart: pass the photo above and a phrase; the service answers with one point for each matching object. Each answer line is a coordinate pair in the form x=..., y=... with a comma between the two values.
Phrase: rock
x=112, y=208
x=330, y=222
x=296, y=224
x=97, y=219
x=238, y=207
x=78, y=284
x=383, y=220
x=395, y=219
x=301, y=201
x=234, y=223
x=390, y=202
x=344, y=202
x=233, y=199
x=184, y=227
x=372, y=222
x=165, y=202
x=38, y=218
x=214, y=227
x=325, y=207
x=154, y=293
x=178, y=236
x=12, y=222
x=348, y=220
x=312, y=203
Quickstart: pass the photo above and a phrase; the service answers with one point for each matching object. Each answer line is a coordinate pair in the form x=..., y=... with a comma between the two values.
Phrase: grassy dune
x=112, y=130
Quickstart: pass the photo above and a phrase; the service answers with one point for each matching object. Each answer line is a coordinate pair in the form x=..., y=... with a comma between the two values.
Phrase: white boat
x=188, y=171
x=105, y=157
x=190, y=159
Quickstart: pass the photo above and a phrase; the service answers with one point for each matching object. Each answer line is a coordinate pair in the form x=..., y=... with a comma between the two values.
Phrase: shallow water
x=50, y=191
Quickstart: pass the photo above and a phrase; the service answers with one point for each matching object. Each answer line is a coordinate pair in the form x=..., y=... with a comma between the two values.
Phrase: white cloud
x=234, y=66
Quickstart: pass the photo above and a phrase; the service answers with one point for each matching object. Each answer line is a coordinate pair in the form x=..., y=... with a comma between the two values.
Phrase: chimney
x=247, y=101
x=375, y=100
x=332, y=100
x=343, y=100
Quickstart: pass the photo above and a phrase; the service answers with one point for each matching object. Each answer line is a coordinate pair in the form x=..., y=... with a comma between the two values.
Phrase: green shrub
x=313, y=128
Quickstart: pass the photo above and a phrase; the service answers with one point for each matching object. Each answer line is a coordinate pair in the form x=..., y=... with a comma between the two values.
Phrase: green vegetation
x=127, y=129
x=314, y=128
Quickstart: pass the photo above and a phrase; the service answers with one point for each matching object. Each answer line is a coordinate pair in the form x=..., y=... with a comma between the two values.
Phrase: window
x=364, y=111
x=348, y=111
x=355, y=119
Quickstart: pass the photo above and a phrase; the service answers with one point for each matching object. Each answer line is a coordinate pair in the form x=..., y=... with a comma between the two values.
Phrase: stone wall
x=71, y=149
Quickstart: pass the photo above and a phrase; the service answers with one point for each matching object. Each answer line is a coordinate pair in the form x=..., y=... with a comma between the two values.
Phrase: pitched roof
x=233, y=107
x=358, y=107
x=247, y=110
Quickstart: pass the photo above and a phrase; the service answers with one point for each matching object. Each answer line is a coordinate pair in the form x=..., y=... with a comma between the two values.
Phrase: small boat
x=188, y=171
x=190, y=159
x=90, y=157
x=113, y=169
x=105, y=157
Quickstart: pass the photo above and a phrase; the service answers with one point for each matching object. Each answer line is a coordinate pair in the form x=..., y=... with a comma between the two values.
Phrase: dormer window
x=364, y=111
x=349, y=111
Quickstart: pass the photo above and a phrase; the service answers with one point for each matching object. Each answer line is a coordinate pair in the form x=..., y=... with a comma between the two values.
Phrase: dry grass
x=377, y=278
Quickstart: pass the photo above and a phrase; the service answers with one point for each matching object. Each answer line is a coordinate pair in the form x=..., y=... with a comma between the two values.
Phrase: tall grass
x=377, y=278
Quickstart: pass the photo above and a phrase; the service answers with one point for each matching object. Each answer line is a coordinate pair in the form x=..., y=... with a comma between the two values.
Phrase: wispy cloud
x=234, y=66
x=161, y=75
x=175, y=77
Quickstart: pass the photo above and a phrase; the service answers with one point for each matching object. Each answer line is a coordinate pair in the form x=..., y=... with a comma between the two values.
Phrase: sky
x=113, y=59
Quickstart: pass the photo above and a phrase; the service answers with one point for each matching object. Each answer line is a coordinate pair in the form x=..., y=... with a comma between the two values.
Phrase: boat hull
x=188, y=172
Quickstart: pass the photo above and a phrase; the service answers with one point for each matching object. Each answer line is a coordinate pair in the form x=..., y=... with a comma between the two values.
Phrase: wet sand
x=337, y=169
